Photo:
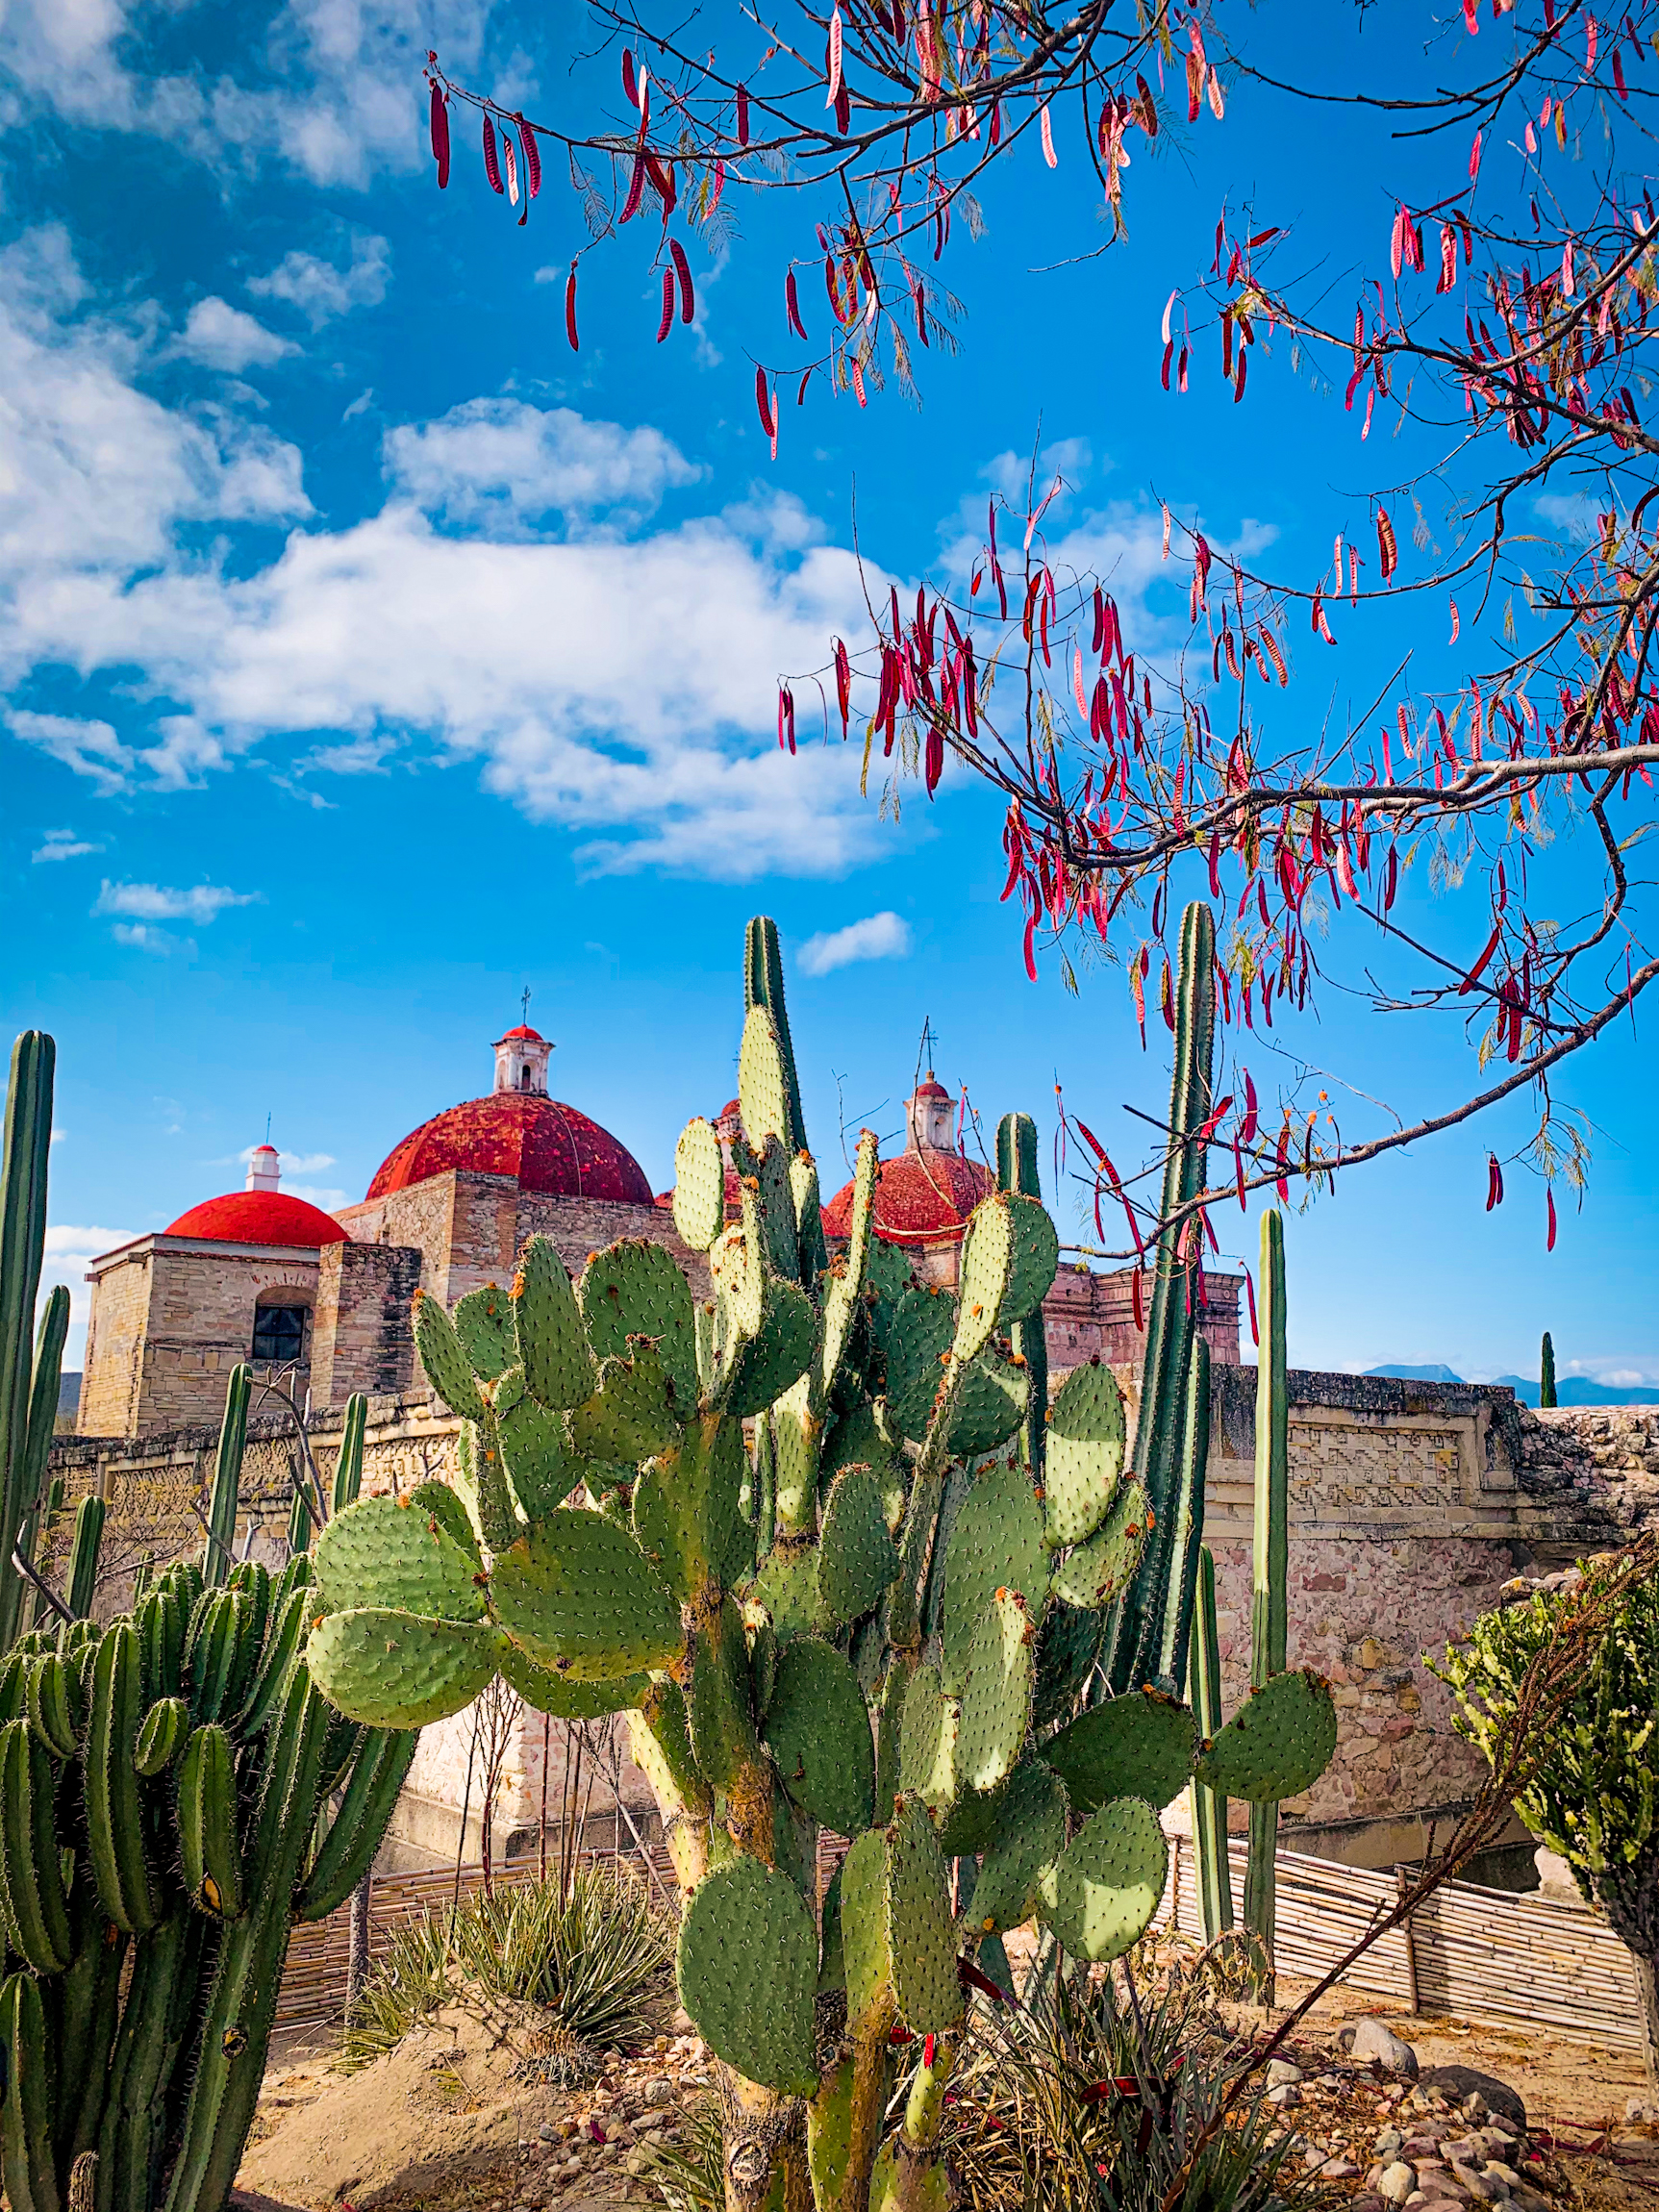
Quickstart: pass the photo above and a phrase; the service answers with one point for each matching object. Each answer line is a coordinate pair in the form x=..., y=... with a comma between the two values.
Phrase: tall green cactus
x=83, y=1556
x=884, y=1624
x=1269, y=1612
x=26, y=1384
x=1546, y=1371
x=174, y=1764
x=227, y=1476
x=1209, y=1806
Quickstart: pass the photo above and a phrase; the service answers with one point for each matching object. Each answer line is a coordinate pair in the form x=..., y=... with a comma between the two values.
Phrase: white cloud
x=293, y=1163
x=222, y=337
x=321, y=290
x=144, y=937
x=157, y=902
x=322, y=1195
x=878, y=937
x=339, y=95
x=506, y=463
x=63, y=844
x=623, y=686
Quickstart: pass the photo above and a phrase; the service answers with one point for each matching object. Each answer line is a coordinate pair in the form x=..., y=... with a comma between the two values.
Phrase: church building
x=259, y=1274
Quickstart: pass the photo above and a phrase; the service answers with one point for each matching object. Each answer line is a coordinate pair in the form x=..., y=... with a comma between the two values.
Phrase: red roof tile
x=545, y=1145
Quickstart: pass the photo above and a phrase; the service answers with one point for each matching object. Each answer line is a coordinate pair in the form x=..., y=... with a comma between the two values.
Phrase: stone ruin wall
x=1411, y=1505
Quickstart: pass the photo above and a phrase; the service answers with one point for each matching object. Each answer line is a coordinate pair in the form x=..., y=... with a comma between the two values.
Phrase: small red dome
x=932, y=1090
x=922, y=1198
x=523, y=1030
x=260, y=1217
x=545, y=1145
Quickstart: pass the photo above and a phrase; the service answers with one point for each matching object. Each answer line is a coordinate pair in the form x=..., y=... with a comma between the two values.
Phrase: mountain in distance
x=1572, y=1389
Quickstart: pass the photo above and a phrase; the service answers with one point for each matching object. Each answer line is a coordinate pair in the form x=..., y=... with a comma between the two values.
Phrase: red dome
x=546, y=1146
x=260, y=1217
x=523, y=1030
x=922, y=1198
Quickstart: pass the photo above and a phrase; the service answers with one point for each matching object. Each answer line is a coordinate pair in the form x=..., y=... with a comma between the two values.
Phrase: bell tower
x=522, y=1059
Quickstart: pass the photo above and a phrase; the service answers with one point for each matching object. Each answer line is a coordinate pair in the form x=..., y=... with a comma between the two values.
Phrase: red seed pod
x=532, y=158
x=492, y=163
x=1549, y=1200
x=512, y=167
x=635, y=187
x=440, y=134
x=668, y=322
x=792, y=306
x=630, y=86
x=570, y=308
x=683, y=270
x=742, y=115
x=764, y=405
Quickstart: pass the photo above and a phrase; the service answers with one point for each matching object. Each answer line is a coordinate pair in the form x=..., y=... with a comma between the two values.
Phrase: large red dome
x=547, y=1146
x=260, y=1217
x=923, y=1197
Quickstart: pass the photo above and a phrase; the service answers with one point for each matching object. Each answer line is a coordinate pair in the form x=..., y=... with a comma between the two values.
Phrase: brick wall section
x=1087, y=1314
x=362, y=1335
x=171, y=1315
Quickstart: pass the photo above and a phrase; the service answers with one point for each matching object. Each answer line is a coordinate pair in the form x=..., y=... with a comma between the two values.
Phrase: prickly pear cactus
x=883, y=1615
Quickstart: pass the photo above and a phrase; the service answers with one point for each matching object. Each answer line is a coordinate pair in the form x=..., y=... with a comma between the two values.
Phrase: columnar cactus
x=161, y=1782
x=27, y=1378
x=882, y=1618
x=1269, y=1612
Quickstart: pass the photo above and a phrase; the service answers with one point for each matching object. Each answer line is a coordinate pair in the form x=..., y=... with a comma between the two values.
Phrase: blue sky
x=367, y=657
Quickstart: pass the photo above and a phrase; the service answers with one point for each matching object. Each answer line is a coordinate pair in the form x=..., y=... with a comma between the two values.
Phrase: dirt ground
x=443, y=2126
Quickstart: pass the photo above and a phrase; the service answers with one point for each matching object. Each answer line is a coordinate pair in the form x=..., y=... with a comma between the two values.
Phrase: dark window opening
x=523, y=1078
x=279, y=1333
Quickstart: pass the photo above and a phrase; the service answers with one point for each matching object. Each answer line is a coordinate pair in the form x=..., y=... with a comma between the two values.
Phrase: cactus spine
x=1547, y=1371
x=22, y=1242
x=1270, y=1567
x=1209, y=1806
x=922, y=1550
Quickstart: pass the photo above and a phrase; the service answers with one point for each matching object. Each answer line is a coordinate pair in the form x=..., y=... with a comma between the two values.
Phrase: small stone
x=1489, y=2187
x=1287, y=2092
x=1368, y=2201
x=1373, y=2041
x=1396, y=2183
x=547, y=2134
x=1504, y=2172
x=660, y=2045
x=1374, y=2173
x=1282, y=2070
x=1389, y=2143
x=659, y=2092
x=1338, y=2170
x=1529, y=2199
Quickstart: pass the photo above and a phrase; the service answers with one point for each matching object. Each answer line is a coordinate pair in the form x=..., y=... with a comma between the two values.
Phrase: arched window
x=279, y=1334
x=524, y=1077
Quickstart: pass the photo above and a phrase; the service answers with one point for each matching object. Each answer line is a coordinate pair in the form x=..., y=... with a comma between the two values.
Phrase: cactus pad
x=996, y=1694
x=545, y=1691
x=1029, y=1836
x=634, y=1413
x=700, y=1185
x=763, y=1085
x=552, y=1348
x=857, y=1556
x=927, y=1740
x=533, y=1449
x=438, y=1498
x=577, y=1594
x=1083, y=1457
x=866, y=1957
x=787, y=1586
x=917, y=1342
x=817, y=1731
x=1278, y=1744
x=484, y=1324
x=720, y=1708
x=1009, y=1255
x=747, y=1969
x=997, y=1544
x=633, y=1289
x=448, y=1370
x=764, y=1365
x=383, y=1553
x=1137, y=1745
x=1093, y=1574
x=779, y=1229
x=1068, y=1646
x=858, y=1439
x=919, y=1924
x=1100, y=1894
x=399, y=1671
x=991, y=1402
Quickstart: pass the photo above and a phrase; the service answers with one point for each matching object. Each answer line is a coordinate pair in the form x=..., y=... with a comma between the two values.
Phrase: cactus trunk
x=22, y=1243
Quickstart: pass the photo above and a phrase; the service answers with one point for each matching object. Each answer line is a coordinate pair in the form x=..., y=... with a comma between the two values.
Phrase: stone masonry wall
x=1087, y=1314
x=362, y=1338
x=169, y=1324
